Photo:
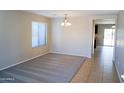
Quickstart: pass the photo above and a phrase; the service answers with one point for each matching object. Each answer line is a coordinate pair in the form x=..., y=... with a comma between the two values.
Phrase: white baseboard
x=68, y=54
x=23, y=61
x=117, y=72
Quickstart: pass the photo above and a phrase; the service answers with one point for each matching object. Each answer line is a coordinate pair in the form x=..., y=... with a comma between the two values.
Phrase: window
x=39, y=34
x=109, y=37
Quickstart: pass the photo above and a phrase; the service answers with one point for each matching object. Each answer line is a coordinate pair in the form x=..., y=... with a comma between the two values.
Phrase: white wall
x=119, y=50
x=73, y=40
x=15, y=37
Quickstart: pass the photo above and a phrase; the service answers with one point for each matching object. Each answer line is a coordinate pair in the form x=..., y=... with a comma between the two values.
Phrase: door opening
x=109, y=35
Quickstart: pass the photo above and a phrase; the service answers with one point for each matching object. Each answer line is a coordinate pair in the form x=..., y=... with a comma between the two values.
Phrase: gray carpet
x=50, y=68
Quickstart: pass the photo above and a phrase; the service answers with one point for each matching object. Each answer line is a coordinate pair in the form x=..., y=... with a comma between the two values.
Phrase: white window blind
x=39, y=34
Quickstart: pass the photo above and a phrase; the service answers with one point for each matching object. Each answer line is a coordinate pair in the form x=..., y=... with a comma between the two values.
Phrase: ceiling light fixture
x=66, y=22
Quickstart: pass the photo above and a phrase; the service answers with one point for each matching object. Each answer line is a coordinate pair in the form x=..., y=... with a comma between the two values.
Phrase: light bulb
x=62, y=24
x=68, y=24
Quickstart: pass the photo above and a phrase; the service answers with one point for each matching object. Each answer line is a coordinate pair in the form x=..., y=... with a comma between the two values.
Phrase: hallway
x=99, y=69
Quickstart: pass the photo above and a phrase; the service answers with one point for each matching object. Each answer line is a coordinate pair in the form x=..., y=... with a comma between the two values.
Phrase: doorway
x=109, y=35
x=104, y=35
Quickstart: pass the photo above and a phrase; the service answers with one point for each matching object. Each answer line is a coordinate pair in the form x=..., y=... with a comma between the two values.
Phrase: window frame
x=46, y=28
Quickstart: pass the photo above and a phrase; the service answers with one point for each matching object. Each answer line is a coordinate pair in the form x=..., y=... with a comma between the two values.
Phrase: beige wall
x=73, y=40
x=15, y=37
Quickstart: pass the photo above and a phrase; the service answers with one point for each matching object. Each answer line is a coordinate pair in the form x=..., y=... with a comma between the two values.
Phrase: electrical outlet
x=122, y=76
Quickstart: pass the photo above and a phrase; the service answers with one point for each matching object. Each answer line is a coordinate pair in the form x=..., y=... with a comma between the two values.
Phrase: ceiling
x=73, y=13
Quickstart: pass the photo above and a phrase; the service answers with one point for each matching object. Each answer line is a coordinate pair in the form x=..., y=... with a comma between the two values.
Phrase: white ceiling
x=73, y=13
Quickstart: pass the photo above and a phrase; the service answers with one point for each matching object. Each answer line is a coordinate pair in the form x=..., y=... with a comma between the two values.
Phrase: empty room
x=61, y=46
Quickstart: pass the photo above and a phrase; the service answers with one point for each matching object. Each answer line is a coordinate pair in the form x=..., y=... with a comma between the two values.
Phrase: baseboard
x=68, y=54
x=23, y=61
x=117, y=72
